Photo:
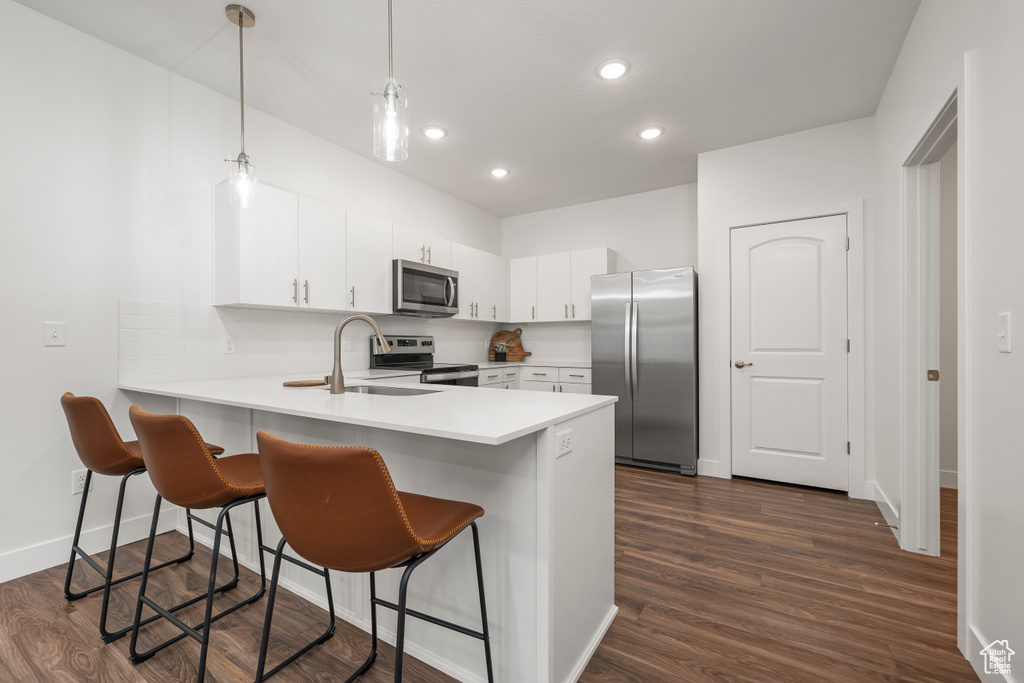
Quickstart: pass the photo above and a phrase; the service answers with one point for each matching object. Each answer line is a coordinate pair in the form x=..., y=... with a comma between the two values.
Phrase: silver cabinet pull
x=305, y=287
x=567, y=311
x=540, y=374
x=533, y=312
x=423, y=252
x=574, y=311
x=295, y=290
x=740, y=364
x=571, y=375
x=552, y=387
x=492, y=376
x=353, y=296
x=494, y=312
x=559, y=388
x=428, y=254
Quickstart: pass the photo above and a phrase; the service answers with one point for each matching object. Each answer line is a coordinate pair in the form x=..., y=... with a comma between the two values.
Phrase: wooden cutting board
x=512, y=339
x=305, y=383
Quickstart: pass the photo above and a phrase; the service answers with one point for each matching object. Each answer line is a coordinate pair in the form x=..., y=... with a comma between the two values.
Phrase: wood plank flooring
x=716, y=580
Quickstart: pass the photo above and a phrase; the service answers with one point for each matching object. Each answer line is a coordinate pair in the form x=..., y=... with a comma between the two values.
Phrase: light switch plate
x=55, y=334
x=1004, y=332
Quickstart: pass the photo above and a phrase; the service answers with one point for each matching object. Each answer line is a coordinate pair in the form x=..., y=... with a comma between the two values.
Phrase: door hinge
x=847, y=244
x=847, y=447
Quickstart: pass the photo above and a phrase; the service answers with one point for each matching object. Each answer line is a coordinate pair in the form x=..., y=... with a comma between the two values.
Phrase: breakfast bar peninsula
x=541, y=465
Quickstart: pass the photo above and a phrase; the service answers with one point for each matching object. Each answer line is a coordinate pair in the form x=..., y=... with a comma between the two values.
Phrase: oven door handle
x=444, y=376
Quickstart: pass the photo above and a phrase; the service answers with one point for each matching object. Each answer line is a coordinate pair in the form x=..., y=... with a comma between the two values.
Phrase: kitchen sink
x=387, y=391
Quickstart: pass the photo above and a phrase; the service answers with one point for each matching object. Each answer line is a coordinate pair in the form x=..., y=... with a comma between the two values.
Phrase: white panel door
x=369, y=264
x=462, y=263
x=523, y=289
x=268, y=250
x=553, y=287
x=322, y=260
x=489, y=284
x=789, y=332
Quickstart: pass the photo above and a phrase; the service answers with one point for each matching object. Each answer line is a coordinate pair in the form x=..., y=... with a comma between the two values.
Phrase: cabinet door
x=369, y=264
x=489, y=285
x=553, y=287
x=584, y=265
x=463, y=263
x=573, y=388
x=413, y=245
x=322, y=260
x=268, y=250
x=549, y=387
x=523, y=289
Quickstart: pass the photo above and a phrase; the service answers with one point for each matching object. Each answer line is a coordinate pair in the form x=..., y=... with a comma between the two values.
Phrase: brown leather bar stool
x=184, y=472
x=338, y=508
x=102, y=451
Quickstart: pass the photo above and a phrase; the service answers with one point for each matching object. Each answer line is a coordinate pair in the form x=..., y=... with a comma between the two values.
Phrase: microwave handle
x=451, y=300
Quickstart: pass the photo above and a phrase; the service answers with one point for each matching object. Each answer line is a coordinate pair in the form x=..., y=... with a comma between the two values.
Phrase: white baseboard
x=947, y=479
x=710, y=468
x=975, y=644
x=24, y=561
x=892, y=518
x=592, y=645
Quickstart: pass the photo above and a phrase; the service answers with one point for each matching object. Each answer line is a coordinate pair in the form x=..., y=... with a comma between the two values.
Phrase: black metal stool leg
x=483, y=603
x=74, y=545
x=212, y=589
x=145, y=579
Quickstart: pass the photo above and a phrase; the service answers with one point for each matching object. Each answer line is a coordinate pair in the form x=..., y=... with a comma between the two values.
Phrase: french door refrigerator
x=644, y=350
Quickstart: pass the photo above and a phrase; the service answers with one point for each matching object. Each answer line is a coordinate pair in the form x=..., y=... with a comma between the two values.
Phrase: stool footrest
x=433, y=620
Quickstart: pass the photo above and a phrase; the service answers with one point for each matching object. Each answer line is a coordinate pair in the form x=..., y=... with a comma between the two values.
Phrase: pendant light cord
x=391, y=61
x=241, y=77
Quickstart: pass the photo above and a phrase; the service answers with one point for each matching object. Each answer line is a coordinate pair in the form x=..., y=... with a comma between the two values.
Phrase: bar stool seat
x=102, y=451
x=337, y=507
x=184, y=472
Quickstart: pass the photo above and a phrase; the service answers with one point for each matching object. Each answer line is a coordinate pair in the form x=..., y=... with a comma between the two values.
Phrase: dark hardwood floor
x=716, y=580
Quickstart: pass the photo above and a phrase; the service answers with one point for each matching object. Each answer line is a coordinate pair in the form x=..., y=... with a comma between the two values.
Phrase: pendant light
x=242, y=179
x=390, y=113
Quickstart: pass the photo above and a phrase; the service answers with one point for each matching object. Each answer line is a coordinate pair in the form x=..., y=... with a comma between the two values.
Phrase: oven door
x=456, y=377
x=426, y=291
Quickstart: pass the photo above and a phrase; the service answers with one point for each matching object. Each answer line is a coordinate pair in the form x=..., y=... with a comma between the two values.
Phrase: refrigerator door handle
x=627, y=354
x=633, y=351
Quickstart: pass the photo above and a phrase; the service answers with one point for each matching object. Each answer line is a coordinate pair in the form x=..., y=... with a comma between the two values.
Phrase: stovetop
x=409, y=352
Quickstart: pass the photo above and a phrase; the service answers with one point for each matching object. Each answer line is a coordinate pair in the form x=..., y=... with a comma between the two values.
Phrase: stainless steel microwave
x=425, y=291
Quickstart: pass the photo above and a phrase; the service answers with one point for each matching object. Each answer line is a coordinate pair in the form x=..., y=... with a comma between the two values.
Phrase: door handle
x=423, y=253
x=567, y=311
x=428, y=255
x=305, y=287
x=494, y=312
x=451, y=282
x=636, y=380
x=627, y=355
x=353, y=296
x=574, y=311
x=533, y=312
x=295, y=290
x=740, y=364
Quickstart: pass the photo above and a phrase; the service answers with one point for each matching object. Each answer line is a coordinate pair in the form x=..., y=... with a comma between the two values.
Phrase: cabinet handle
x=423, y=252
x=295, y=290
x=476, y=309
x=494, y=312
x=567, y=311
x=506, y=386
x=511, y=374
x=305, y=287
x=428, y=254
x=571, y=375
x=353, y=296
x=552, y=387
x=491, y=376
x=533, y=312
x=559, y=388
x=574, y=311
x=540, y=374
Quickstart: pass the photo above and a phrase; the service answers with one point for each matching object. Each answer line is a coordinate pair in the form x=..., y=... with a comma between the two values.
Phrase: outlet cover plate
x=563, y=440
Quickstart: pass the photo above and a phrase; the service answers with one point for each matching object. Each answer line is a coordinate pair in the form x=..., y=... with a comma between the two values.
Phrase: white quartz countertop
x=453, y=412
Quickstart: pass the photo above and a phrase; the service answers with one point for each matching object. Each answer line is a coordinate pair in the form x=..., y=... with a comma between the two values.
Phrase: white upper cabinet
x=555, y=287
x=523, y=289
x=462, y=263
x=322, y=261
x=413, y=245
x=368, y=264
x=256, y=250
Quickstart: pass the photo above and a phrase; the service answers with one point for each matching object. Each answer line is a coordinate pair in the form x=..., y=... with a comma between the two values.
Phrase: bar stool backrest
x=336, y=505
x=99, y=446
x=180, y=465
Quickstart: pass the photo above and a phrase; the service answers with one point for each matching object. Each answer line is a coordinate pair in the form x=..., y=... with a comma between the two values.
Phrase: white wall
x=656, y=229
x=930, y=67
x=947, y=319
x=782, y=176
x=105, y=194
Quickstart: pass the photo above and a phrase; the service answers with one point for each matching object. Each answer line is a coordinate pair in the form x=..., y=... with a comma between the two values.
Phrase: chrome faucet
x=337, y=381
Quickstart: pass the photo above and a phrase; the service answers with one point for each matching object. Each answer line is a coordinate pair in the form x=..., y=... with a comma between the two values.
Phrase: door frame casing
x=859, y=486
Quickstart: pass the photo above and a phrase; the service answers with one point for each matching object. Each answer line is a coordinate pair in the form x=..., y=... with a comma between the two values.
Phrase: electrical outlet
x=348, y=343
x=229, y=344
x=78, y=482
x=564, y=441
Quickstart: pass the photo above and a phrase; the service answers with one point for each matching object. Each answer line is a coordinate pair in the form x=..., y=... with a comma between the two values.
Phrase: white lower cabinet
x=556, y=380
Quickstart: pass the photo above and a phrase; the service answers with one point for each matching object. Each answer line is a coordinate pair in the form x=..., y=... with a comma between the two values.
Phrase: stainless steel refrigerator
x=644, y=350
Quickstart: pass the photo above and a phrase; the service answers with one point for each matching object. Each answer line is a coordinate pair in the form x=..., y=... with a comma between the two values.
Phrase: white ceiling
x=514, y=82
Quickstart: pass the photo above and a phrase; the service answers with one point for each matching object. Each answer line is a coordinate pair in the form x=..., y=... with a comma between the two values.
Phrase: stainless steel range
x=417, y=353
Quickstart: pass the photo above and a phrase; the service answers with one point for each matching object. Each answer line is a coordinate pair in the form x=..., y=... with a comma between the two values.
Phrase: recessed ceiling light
x=613, y=68
x=651, y=133
x=499, y=172
x=435, y=132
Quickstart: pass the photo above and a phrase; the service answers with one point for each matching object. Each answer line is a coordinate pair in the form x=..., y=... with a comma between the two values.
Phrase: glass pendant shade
x=242, y=181
x=390, y=121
